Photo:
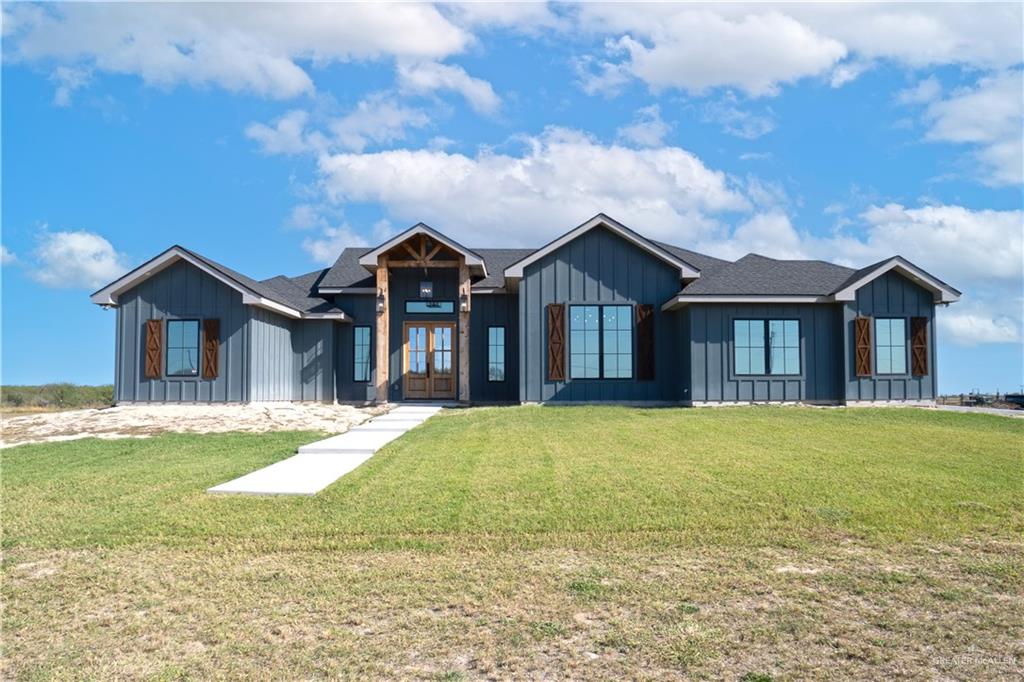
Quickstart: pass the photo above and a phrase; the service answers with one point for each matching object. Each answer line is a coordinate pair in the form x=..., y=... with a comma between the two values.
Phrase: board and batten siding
x=493, y=310
x=181, y=291
x=361, y=308
x=891, y=295
x=292, y=360
x=598, y=267
x=711, y=361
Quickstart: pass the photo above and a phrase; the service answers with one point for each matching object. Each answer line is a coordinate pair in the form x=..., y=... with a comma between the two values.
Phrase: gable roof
x=473, y=259
x=270, y=294
x=942, y=292
x=686, y=271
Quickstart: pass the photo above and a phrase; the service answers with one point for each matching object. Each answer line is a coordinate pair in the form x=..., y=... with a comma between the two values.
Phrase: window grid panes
x=617, y=349
x=890, y=345
x=361, y=353
x=763, y=347
x=418, y=350
x=600, y=342
x=784, y=346
x=182, y=348
x=442, y=346
x=495, y=353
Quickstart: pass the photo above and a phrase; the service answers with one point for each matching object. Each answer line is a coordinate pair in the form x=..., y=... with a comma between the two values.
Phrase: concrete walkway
x=320, y=464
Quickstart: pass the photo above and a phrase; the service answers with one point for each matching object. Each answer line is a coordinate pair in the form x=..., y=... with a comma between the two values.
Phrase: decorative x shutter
x=154, y=348
x=556, y=342
x=645, y=342
x=919, y=346
x=862, y=345
x=211, y=348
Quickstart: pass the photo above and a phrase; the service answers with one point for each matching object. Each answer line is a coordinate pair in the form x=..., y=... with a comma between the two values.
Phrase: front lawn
x=539, y=542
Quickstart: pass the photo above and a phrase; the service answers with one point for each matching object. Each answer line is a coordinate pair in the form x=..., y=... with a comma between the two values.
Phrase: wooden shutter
x=645, y=342
x=211, y=348
x=556, y=342
x=919, y=346
x=154, y=348
x=862, y=345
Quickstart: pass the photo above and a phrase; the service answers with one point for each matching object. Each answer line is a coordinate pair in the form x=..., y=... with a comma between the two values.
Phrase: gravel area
x=141, y=421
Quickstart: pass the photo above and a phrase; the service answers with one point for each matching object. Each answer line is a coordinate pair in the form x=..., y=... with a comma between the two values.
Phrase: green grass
x=590, y=542
x=535, y=476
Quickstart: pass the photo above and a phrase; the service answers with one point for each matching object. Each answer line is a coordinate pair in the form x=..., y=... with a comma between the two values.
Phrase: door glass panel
x=418, y=350
x=442, y=350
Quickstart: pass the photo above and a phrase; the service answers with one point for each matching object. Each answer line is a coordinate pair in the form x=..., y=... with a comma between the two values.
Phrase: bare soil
x=141, y=421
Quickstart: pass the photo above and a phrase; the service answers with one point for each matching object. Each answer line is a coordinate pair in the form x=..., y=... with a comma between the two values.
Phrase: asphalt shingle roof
x=758, y=275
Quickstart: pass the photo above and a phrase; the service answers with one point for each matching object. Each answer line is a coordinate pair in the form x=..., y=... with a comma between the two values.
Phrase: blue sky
x=270, y=137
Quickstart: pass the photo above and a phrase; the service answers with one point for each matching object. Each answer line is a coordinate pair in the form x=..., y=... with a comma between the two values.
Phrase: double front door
x=429, y=363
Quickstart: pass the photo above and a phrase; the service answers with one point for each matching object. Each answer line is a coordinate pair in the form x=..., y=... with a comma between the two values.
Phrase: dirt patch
x=141, y=421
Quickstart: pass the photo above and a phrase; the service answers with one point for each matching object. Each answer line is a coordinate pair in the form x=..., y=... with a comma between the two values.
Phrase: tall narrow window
x=763, y=347
x=182, y=348
x=890, y=345
x=748, y=346
x=784, y=345
x=495, y=353
x=617, y=346
x=361, y=353
x=584, y=342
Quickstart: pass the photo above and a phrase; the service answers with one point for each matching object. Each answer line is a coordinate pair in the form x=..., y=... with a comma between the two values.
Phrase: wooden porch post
x=383, y=336
x=464, y=291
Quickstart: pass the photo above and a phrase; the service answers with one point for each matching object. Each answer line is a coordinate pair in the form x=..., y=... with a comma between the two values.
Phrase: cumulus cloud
x=647, y=128
x=326, y=248
x=759, y=48
x=76, y=260
x=429, y=77
x=68, y=80
x=524, y=198
x=989, y=116
x=287, y=135
x=736, y=121
x=923, y=92
x=969, y=325
x=377, y=119
x=239, y=47
x=7, y=257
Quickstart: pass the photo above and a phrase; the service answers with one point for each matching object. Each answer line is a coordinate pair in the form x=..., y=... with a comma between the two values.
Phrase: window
x=495, y=353
x=617, y=346
x=361, y=354
x=600, y=342
x=182, y=348
x=784, y=346
x=890, y=345
x=430, y=307
x=426, y=290
x=766, y=347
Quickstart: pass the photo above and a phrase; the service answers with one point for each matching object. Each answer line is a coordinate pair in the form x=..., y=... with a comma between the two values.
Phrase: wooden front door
x=429, y=366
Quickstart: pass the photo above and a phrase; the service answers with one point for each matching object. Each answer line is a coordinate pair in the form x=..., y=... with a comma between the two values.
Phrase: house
x=599, y=314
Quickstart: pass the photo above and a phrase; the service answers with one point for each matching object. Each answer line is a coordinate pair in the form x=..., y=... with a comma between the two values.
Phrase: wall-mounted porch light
x=464, y=303
x=380, y=301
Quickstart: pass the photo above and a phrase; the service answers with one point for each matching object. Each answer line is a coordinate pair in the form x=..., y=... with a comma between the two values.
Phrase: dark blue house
x=599, y=314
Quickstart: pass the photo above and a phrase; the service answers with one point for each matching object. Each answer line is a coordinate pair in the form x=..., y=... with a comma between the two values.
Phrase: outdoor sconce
x=464, y=303
x=380, y=301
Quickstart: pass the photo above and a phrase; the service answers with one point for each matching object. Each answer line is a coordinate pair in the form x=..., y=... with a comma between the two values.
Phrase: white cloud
x=286, y=136
x=239, y=47
x=738, y=122
x=967, y=325
x=68, y=79
x=757, y=48
x=376, y=119
x=428, y=77
x=647, y=128
x=523, y=199
x=768, y=234
x=698, y=48
x=304, y=217
x=7, y=257
x=78, y=260
x=925, y=91
x=755, y=156
x=525, y=17
x=990, y=116
x=326, y=248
